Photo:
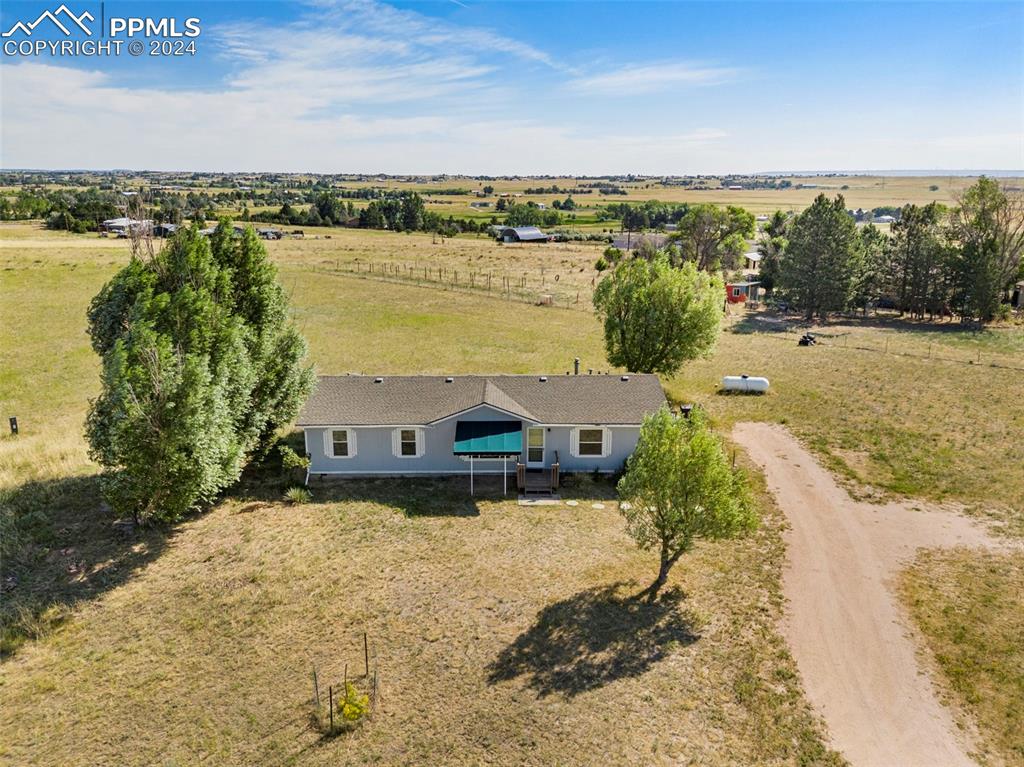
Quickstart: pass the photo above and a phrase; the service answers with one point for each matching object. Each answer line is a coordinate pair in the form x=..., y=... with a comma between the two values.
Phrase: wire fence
x=546, y=290
x=539, y=289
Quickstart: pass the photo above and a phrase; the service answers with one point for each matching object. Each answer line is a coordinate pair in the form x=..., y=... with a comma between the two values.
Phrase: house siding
x=374, y=449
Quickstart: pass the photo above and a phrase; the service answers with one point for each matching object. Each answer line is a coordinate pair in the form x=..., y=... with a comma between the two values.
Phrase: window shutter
x=421, y=446
x=328, y=447
x=606, y=446
x=574, y=443
x=396, y=442
x=351, y=442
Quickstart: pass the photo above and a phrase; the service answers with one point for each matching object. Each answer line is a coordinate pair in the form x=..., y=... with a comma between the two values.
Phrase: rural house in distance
x=437, y=425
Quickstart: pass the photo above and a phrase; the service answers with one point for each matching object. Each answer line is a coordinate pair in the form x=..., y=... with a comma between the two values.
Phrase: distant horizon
x=505, y=88
x=895, y=173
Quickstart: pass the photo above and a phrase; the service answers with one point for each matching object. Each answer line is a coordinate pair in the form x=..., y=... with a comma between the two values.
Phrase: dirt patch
x=847, y=631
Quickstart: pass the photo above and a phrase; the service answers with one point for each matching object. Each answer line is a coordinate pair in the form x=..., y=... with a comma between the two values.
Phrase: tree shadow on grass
x=766, y=322
x=413, y=497
x=59, y=546
x=593, y=638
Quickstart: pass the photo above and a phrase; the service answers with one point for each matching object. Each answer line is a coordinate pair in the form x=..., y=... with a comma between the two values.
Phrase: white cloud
x=653, y=77
x=57, y=117
x=362, y=87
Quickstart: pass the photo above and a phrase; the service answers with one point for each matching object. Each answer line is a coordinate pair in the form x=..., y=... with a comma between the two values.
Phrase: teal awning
x=488, y=438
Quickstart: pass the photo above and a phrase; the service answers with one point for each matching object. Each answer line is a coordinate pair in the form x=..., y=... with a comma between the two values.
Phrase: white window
x=737, y=292
x=340, y=443
x=407, y=442
x=592, y=442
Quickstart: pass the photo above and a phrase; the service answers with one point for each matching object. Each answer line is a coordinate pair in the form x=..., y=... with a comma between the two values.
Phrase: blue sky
x=533, y=87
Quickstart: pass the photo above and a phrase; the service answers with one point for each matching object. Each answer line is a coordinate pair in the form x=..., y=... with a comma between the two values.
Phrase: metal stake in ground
x=330, y=695
x=366, y=655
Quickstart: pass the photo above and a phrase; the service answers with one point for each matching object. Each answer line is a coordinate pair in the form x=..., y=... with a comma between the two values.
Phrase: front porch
x=492, y=441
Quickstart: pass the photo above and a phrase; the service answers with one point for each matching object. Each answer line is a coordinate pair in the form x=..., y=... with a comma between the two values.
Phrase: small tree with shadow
x=679, y=487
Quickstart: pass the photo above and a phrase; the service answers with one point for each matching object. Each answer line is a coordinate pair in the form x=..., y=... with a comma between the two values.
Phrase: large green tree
x=714, y=237
x=679, y=488
x=918, y=259
x=772, y=247
x=822, y=258
x=200, y=366
x=657, y=317
x=988, y=226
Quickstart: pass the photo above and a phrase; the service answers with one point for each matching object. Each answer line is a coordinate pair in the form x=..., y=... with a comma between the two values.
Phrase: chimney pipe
x=576, y=366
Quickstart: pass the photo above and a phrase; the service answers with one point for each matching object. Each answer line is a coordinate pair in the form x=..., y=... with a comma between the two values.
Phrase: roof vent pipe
x=624, y=378
x=378, y=380
x=449, y=379
x=576, y=366
x=543, y=379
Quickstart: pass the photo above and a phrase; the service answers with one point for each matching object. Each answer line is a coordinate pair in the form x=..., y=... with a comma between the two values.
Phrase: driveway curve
x=848, y=633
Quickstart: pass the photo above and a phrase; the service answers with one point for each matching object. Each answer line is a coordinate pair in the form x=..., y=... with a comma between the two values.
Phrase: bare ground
x=848, y=633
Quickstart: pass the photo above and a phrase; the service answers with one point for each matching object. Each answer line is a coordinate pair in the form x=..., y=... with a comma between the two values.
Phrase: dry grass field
x=969, y=610
x=500, y=632
x=860, y=192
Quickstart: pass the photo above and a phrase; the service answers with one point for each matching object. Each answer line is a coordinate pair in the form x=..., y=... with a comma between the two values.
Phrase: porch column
x=471, y=474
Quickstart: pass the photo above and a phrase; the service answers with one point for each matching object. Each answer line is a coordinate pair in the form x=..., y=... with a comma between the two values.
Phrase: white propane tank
x=745, y=383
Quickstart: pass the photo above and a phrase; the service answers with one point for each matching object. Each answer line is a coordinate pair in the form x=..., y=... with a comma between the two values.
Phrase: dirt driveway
x=849, y=635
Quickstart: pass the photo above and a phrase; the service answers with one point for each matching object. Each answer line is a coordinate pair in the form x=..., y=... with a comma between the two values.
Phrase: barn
x=522, y=234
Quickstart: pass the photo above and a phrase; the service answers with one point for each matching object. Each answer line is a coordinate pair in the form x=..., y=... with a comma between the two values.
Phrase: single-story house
x=1017, y=298
x=539, y=425
x=632, y=240
x=479, y=205
x=884, y=220
x=522, y=234
x=740, y=292
x=753, y=259
x=270, y=234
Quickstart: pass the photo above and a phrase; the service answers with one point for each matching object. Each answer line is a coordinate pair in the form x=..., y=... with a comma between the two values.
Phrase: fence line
x=470, y=282
x=517, y=288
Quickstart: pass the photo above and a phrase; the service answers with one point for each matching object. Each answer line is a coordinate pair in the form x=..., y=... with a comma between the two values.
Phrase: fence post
x=330, y=693
x=316, y=688
x=366, y=654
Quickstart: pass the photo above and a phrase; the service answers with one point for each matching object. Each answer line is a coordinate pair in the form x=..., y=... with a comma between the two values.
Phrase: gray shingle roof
x=419, y=400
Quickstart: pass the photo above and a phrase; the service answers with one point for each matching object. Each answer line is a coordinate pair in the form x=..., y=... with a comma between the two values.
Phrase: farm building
x=536, y=426
x=165, y=230
x=752, y=259
x=123, y=225
x=479, y=205
x=270, y=234
x=522, y=234
x=633, y=240
x=741, y=292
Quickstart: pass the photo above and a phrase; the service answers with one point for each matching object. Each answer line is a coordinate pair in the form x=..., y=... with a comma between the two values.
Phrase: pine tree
x=822, y=258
